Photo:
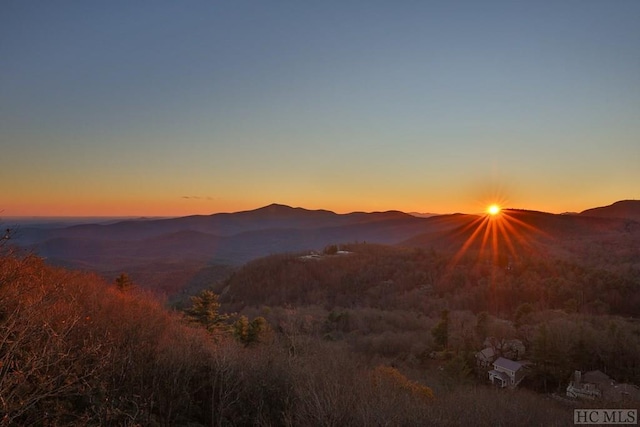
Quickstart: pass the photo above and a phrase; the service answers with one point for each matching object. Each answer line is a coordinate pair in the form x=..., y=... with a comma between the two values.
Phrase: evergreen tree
x=441, y=331
x=522, y=312
x=482, y=325
x=331, y=250
x=249, y=332
x=205, y=310
x=124, y=282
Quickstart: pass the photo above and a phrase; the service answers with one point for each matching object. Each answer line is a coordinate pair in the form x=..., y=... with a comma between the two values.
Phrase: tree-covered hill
x=180, y=247
x=77, y=351
x=366, y=275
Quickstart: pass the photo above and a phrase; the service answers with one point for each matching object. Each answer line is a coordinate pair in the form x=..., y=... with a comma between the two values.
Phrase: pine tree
x=124, y=282
x=205, y=310
x=441, y=331
x=249, y=332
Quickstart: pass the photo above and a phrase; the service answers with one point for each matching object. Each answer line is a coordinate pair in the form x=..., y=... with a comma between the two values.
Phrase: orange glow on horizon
x=119, y=208
x=178, y=205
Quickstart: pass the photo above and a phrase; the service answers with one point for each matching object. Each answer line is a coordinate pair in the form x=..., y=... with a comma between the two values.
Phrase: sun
x=493, y=209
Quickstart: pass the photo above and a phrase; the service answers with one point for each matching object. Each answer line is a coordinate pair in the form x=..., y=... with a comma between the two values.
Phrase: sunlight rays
x=496, y=235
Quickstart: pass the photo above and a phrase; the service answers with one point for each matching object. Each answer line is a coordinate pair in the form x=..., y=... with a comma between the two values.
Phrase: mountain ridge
x=236, y=238
x=629, y=209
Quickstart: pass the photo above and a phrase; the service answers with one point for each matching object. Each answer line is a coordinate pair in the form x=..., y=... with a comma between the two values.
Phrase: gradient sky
x=196, y=107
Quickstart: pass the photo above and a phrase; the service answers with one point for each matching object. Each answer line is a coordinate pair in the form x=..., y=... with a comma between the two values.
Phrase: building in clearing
x=506, y=373
x=485, y=357
x=594, y=385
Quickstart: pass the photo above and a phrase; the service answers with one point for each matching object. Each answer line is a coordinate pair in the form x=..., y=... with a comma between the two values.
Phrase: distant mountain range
x=231, y=238
x=202, y=241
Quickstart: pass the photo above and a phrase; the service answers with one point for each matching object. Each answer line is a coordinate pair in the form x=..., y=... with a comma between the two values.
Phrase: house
x=485, y=358
x=589, y=387
x=598, y=385
x=513, y=349
x=506, y=373
x=508, y=348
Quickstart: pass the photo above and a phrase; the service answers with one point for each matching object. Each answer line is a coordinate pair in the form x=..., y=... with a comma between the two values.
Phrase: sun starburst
x=494, y=209
x=499, y=234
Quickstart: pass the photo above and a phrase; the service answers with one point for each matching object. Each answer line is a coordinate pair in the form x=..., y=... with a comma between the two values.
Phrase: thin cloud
x=197, y=198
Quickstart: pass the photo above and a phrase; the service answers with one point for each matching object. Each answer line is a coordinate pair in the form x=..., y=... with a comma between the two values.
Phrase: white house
x=506, y=373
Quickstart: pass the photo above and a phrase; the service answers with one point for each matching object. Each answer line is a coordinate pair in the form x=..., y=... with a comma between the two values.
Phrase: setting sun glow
x=493, y=209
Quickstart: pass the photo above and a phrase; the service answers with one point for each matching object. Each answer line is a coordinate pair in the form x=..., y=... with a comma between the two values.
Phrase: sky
x=165, y=108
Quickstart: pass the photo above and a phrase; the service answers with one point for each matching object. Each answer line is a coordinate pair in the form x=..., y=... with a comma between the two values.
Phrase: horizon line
x=142, y=217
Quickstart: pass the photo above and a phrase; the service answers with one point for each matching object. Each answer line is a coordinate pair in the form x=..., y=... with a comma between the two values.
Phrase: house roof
x=487, y=353
x=508, y=364
x=596, y=377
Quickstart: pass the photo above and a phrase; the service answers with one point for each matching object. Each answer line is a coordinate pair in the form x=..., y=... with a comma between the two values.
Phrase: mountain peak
x=629, y=209
x=275, y=207
x=279, y=213
x=280, y=209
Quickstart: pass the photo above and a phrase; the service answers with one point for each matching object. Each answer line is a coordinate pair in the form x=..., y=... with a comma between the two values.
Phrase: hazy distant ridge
x=225, y=237
x=235, y=238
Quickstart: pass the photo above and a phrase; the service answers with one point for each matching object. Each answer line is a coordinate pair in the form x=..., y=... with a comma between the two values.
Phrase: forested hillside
x=75, y=350
x=182, y=255
x=352, y=334
x=386, y=302
x=366, y=275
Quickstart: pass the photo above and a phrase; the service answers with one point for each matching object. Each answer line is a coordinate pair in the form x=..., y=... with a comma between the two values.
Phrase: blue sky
x=171, y=108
